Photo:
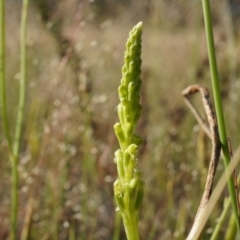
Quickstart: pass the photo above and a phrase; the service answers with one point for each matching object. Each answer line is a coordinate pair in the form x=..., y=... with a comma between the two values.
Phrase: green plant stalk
x=231, y=231
x=3, y=76
x=218, y=104
x=216, y=232
x=22, y=91
x=129, y=187
x=131, y=226
x=15, y=153
x=14, y=173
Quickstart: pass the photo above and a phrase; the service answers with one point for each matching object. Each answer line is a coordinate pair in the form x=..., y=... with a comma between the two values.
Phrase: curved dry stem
x=211, y=130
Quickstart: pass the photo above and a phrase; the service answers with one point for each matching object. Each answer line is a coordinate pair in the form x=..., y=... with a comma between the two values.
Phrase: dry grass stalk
x=212, y=131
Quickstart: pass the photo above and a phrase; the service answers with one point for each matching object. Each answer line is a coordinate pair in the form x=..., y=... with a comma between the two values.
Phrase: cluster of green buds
x=129, y=187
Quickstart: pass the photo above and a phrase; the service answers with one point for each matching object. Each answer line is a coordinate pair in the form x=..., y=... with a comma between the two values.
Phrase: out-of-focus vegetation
x=74, y=57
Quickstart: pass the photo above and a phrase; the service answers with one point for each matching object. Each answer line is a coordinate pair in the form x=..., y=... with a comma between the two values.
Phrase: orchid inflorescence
x=129, y=187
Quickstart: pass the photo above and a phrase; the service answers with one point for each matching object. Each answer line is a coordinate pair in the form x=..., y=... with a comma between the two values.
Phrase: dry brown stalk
x=211, y=129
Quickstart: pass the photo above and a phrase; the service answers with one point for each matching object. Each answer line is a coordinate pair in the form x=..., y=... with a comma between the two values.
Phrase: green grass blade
x=16, y=144
x=218, y=103
x=217, y=229
x=3, y=75
x=22, y=78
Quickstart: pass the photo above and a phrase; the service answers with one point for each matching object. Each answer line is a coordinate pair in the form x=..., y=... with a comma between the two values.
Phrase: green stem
x=3, y=75
x=131, y=226
x=13, y=160
x=216, y=232
x=218, y=103
x=15, y=154
x=231, y=229
x=22, y=79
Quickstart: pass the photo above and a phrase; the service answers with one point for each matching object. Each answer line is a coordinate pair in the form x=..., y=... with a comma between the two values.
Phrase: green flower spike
x=129, y=187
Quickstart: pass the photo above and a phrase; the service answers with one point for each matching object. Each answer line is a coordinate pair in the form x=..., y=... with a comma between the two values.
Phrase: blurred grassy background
x=74, y=58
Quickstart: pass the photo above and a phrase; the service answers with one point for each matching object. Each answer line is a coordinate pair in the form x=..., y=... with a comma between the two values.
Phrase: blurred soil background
x=74, y=57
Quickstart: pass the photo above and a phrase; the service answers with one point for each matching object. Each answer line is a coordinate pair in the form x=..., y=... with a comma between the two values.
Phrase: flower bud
x=120, y=113
x=122, y=93
x=124, y=69
x=119, y=133
x=126, y=159
x=131, y=91
x=133, y=150
x=119, y=197
x=129, y=130
x=127, y=59
x=126, y=111
x=133, y=191
x=119, y=161
x=118, y=153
